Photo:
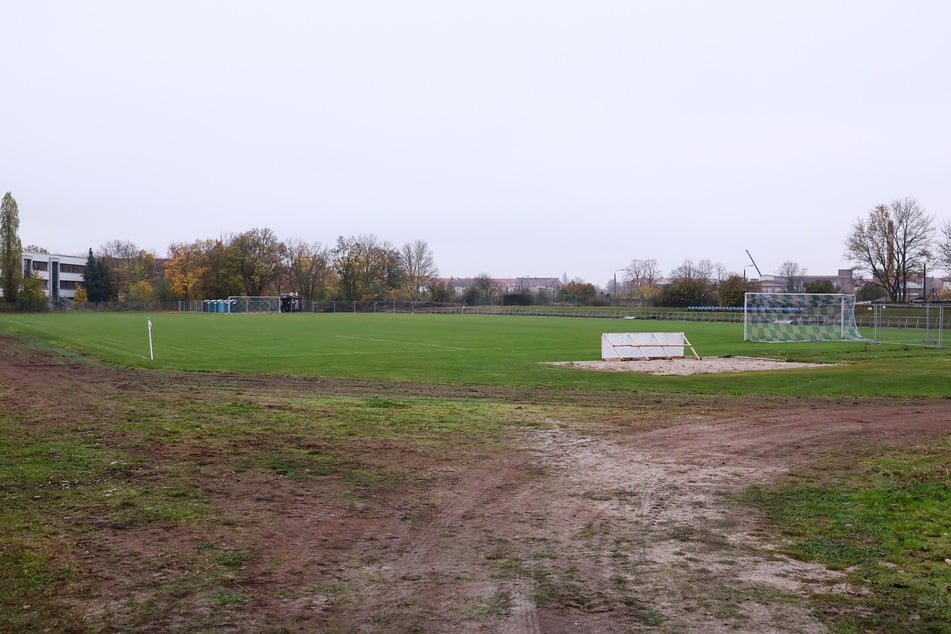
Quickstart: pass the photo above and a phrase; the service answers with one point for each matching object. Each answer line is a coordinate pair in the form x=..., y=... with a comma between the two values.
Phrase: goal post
x=792, y=317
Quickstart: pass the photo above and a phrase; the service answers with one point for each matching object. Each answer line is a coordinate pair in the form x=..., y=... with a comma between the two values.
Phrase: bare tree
x=686, y=271
x=721, y=273
x=791, y=274
x=310, y=268
x=706, y=270
x=891, y=243
x=419, y=265
x=944, y=247
x=642, y=273
x=690, y=270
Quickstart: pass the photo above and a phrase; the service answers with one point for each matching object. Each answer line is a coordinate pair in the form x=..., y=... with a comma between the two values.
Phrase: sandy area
x=690, y=365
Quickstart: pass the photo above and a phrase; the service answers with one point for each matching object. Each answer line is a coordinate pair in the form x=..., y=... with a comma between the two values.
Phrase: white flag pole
x=151, y=355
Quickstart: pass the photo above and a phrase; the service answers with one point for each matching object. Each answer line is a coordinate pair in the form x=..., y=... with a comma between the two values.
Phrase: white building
x=60, y=273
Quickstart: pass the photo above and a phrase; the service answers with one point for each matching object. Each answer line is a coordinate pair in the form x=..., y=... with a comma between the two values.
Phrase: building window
x=40, y=266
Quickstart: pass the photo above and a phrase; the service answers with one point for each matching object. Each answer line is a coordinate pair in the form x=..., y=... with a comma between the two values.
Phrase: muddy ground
x=616, y=522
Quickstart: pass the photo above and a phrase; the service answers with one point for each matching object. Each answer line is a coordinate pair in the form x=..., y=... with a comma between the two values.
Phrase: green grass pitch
x=471, y=349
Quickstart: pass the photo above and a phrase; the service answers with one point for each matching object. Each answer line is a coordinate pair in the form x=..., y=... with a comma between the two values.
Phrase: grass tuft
x=886, y=524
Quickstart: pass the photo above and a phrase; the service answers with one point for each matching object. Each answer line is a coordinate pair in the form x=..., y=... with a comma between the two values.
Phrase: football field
x=471, y=349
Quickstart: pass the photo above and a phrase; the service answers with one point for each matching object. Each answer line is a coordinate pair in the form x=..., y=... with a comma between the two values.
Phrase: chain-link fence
x=907, y=324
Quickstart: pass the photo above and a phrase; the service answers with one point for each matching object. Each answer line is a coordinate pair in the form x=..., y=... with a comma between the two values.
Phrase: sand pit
x=689, y=365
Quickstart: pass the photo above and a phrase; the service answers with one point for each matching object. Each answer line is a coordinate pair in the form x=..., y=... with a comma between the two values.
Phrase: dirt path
x=616, y=532
x=614, y=523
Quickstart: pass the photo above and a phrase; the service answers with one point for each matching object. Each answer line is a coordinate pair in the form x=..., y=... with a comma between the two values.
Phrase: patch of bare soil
x=616, y=531
x=615, y=524
x=689, y=365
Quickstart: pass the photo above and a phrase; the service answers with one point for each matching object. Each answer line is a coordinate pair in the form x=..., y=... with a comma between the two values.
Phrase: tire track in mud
x=664, y=511
x=442, y=565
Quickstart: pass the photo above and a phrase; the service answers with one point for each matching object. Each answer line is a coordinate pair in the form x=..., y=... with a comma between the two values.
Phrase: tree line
x=893, y=243
x=257, y=263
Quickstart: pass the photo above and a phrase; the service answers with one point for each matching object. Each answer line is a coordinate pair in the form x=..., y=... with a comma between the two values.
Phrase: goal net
x=787, y=317
x=238, y=304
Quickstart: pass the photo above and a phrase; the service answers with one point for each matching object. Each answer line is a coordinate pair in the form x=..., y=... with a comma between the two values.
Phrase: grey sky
x=516, y=138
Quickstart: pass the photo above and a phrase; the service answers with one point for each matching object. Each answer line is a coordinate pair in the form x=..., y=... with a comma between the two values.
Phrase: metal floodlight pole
x=616, y=298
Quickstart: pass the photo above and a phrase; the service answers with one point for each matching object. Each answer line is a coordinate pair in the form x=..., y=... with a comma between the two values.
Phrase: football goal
x=788, y=317
x=238, y=304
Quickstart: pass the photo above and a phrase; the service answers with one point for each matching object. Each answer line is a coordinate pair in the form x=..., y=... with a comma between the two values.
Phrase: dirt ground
x=621, y=522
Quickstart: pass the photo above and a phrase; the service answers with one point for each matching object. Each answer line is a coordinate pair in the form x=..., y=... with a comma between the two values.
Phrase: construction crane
x=758, y=272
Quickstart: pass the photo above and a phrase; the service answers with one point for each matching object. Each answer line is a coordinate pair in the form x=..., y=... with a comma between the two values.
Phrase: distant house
x=843, y=281
x=61, y=274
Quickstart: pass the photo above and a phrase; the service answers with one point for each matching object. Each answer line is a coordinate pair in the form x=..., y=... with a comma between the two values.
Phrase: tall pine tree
x=96, y=280
x=11, y=249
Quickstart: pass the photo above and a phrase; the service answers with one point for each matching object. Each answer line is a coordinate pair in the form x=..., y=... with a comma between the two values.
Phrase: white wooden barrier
x=627, y=346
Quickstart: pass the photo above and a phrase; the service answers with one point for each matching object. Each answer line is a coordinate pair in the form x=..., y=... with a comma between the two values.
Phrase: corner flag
x=151, y=355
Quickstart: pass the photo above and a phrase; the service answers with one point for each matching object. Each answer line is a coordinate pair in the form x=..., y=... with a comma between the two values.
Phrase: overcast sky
x=517, y=138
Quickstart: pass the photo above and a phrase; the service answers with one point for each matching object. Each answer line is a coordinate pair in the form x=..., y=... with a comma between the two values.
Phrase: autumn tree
x=440, y=292
x=204, y=269
x=686, y=291
x=395, y=279
x=260, y=259
x=80, y=297
x=129, y=266
x=366, y=267
x=733, y=290
x=820, y=286
x=140, y=291
x=481, y=292
x=310, y=268
x=185, y=269
x=32, y=295
x=221, y=278
x=690, y=286
x=11, y=249
x=890, y=244
x=578, y=292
